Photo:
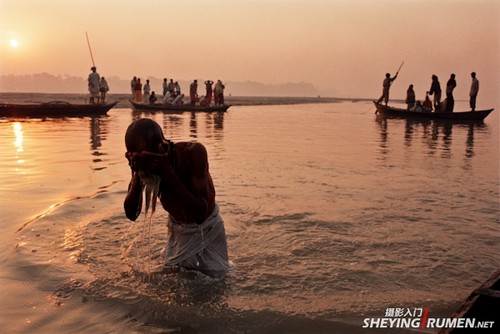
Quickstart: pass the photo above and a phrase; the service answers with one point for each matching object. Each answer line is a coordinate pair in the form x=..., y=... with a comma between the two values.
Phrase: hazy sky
x=344, y=48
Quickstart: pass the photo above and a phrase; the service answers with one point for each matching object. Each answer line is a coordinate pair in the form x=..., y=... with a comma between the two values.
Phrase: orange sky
x=344, y=48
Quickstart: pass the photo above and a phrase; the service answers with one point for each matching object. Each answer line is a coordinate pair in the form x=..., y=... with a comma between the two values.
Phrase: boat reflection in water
x=436, y=136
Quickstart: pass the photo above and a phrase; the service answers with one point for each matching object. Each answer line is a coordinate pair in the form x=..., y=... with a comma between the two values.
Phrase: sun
x=14, y=43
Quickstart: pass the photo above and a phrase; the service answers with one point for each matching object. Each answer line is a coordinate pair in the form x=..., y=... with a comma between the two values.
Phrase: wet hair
x=145, y=131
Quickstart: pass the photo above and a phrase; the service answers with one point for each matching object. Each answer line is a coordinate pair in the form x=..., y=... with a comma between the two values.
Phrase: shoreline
x=122, y=99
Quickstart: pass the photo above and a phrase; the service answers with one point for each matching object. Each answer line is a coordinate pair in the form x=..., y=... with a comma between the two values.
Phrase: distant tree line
x=67, y=84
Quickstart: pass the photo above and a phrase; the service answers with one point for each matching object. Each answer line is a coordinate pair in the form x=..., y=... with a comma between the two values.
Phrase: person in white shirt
x=147, y=91
x=93, y=82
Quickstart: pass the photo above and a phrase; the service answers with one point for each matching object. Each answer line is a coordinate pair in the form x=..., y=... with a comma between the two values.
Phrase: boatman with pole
x=387, y=85
x=94, y=77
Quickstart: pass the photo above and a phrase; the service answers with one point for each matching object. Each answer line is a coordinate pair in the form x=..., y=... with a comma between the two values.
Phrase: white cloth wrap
x=202, y=247
x=93, y=80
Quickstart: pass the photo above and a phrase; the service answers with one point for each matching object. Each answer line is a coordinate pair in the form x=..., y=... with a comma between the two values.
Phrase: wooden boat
x=177, y=107
x=483, y=305
x=462, y=116
x=54, y=109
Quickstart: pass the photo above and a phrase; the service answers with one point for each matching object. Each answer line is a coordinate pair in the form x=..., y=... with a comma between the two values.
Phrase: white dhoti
x=202, y=247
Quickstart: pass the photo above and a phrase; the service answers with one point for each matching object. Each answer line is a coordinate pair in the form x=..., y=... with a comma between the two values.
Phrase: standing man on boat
x=208, y=96
x=171, y=87
x=165, y=87
x=196, y=233
x=93, y=82
x=219, y=93
x=132, y=86
x=193, y=92
x=177, y=88
x=436, y=91
x=450, y=86
x=474, y=89
x=410, y=98
x=103, y=89
x=138, y=90
x=386, y=85
x=147, y=91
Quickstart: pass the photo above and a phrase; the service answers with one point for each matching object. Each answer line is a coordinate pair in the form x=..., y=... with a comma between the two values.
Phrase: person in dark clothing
x=474, y=89
x=386, y=85
x=450, y=86
x=436, y=91
x=410, y=98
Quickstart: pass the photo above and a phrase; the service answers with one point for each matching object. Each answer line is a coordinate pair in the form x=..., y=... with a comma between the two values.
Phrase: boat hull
x=177, y=108
x=482, y=305
x=53, y=109
x=463, y=116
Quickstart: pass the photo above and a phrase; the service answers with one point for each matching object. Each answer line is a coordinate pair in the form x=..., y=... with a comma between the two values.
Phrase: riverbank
x=123, y=99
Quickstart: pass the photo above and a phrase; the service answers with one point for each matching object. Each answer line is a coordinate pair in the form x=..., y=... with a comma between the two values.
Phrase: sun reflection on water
x=19, y=140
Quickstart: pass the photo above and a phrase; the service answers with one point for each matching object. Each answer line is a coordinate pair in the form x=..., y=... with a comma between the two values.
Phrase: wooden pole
x=90, y=49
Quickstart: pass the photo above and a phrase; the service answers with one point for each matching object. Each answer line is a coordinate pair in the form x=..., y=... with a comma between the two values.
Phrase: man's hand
x=152, y=162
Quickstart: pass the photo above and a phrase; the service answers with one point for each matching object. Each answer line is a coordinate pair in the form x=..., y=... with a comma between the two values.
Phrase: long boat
x=54, y=109
x=139, y=106
x=461, y=116
x=482, y=307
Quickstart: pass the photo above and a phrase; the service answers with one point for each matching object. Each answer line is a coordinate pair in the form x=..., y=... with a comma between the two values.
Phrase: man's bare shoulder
x=194, y=155
x=191, y=148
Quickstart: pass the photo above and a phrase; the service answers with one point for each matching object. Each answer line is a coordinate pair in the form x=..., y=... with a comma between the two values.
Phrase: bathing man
x=196, y=234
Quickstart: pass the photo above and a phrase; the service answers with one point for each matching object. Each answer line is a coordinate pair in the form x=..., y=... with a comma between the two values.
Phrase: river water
x=332, y=215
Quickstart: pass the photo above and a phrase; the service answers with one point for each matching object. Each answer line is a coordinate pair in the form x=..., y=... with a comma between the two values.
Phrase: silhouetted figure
x=138, y=90
x=450, y=86
x=147, y=91
x=93, y=82
x=103, y=89
x=427, y=105
x=209, y=91
x=193, y=92
x=474, y=89
x=165, y=86
x=410, y=98
x=436, y=91
x=152, y=98
x=219, y=93
x=386, y=85
x=132, y=86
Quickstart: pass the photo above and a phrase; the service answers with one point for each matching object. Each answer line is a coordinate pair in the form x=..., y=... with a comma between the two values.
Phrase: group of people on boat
x=435, y=90
x=172, y=92
x=98, y=87
x=217, y=92
x=143, y=93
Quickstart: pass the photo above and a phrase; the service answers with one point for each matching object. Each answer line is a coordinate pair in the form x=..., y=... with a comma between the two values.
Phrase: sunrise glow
x=14, y=43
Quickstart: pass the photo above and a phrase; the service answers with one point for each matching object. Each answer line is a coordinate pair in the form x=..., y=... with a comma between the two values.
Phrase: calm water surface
x=332, y=215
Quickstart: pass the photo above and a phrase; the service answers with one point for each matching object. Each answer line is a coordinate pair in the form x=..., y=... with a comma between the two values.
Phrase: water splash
x=151, y=186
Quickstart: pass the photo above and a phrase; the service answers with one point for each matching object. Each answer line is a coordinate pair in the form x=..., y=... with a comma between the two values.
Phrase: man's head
x=143, y=135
